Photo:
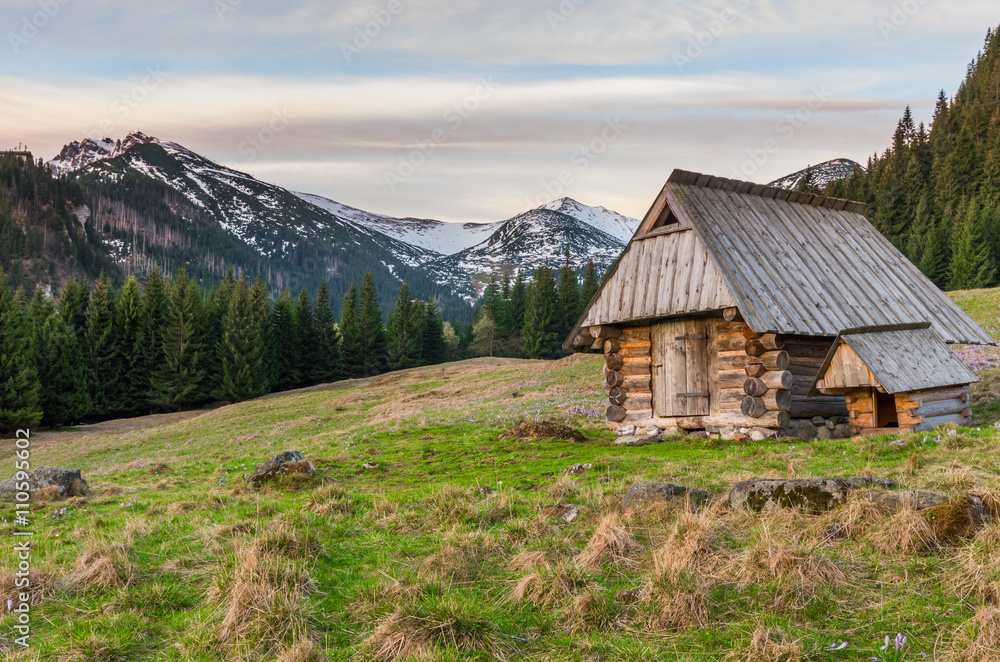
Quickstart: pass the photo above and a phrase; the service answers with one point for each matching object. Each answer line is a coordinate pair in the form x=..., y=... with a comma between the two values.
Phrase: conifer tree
x=433, y=347
x=352, y=360
x=102, y=352
x=134, y=378
x=241, y=351
x=64, y=397
x=514, y=315
x=19, y=389
x=287, y=347
x=542, y=334
x=972, y=266
x=326, y=359
x=491, y=298
x=403, y=332
x=178, y=381
x=590, y=285
x=73, y=306
x=216, y=309
x=154, y=310
x=569, y=294
x=374, y=350
x=260, y=306
x=306, y=351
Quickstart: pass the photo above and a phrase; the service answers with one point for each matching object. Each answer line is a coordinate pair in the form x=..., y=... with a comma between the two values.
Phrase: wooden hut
x=730, y=297
x=895, y=378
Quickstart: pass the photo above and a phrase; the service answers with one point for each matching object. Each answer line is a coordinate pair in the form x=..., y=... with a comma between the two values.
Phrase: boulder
x=636, y=440
x=811, y=494
x=66, y=482
x=643, y=494
x=958, y=518
x=281, y=464
x=891, y=502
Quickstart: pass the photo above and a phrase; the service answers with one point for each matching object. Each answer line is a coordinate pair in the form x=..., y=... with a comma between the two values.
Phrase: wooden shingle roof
x=794, y=263
x=903, y=358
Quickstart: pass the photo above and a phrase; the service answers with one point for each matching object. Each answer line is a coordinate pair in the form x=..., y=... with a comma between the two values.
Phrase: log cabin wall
x=627, y=376
x=805, y=358
x=916, y=411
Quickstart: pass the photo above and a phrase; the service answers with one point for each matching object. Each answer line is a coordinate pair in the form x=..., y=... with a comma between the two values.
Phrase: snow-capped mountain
x=296, y=230
x=823, y=174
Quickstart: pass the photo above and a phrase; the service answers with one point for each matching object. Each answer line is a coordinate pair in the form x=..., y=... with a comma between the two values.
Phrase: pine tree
x=403, y=332
x=287, y=348
x=178, y=381
x=514, y=317
x=373, y=341
x=73, y=307
x=216, y=309
x=491, y=298
x=569, y=294
x=260, y=306
x=326, y=363
x=352, y=348
x=542, y=335
x=307, y=340
x=807, y=184
x=129, y=324
x=590, y=285
x=64, y=397
x=154, y=309
x=432, y=341
x=972, y=266
x=19, y=388
x=241, y=352
x=102, y=352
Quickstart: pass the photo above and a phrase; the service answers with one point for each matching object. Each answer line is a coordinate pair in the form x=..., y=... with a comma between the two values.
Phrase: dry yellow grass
x=980, y=639
x=104, y=565
x=907, y=531
x=417, y=631
x=611, y=544
x=550, y=587
x=769, y=646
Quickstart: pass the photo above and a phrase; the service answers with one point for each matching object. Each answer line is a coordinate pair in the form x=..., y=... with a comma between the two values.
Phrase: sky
x=469, y=110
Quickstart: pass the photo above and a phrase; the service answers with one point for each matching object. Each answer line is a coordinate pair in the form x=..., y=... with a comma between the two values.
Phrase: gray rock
x=577, y=469
x=626, y=430
x=818, y=421
x=841, y=431
x=653, y=431
x=811, y=494
x=643, y=494
x=830, y=425
x=893, y=501
x=281, y=464
x=69, y=482
x=701, y=434
x=824, y=432
x=805, y=431
x=636, y=440
x=759, y=434
x=370, y=465
x=567, y=512
x=728, y=433
x=672, y=432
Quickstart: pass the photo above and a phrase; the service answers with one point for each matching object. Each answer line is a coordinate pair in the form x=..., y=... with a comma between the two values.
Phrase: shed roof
x=905, y=357
x=795, y=263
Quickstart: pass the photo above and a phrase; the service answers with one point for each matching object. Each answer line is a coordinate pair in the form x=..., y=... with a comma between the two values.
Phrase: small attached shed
x=727, y=302
x=896, y=378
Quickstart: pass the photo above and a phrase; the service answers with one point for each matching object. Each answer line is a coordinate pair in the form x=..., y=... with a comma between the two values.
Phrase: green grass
x=174, y=557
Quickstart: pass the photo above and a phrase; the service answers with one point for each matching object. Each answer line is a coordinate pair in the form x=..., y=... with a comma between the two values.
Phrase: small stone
x=626, y=430
x=567, y=512
x=830, y=425
x=757, y=435
x=740, y=437
x=764, y=433
x=280, y=464
x=671, y=432
x=370, y=465
x=485, y=490
x=577, y=469
x=805, y=431
x=635, y=440
x=823, y=432
x=628, y=597
x=643, y=494
x=604, y=479
x=841, y=431
x=701, y=434
x=818, y=421
x=653, y=431
x=728, y=433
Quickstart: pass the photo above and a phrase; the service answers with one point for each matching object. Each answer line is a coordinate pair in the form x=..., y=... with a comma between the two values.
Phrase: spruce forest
x=98, y=352
x=935, y=193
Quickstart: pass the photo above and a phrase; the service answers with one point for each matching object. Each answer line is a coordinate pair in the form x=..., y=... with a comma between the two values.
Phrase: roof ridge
x=689, y=178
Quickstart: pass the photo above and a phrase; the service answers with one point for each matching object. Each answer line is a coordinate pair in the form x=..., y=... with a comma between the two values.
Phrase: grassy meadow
x=422, y=535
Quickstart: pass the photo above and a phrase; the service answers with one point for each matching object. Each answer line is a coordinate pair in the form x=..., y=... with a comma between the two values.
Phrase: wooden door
x=681, y=376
